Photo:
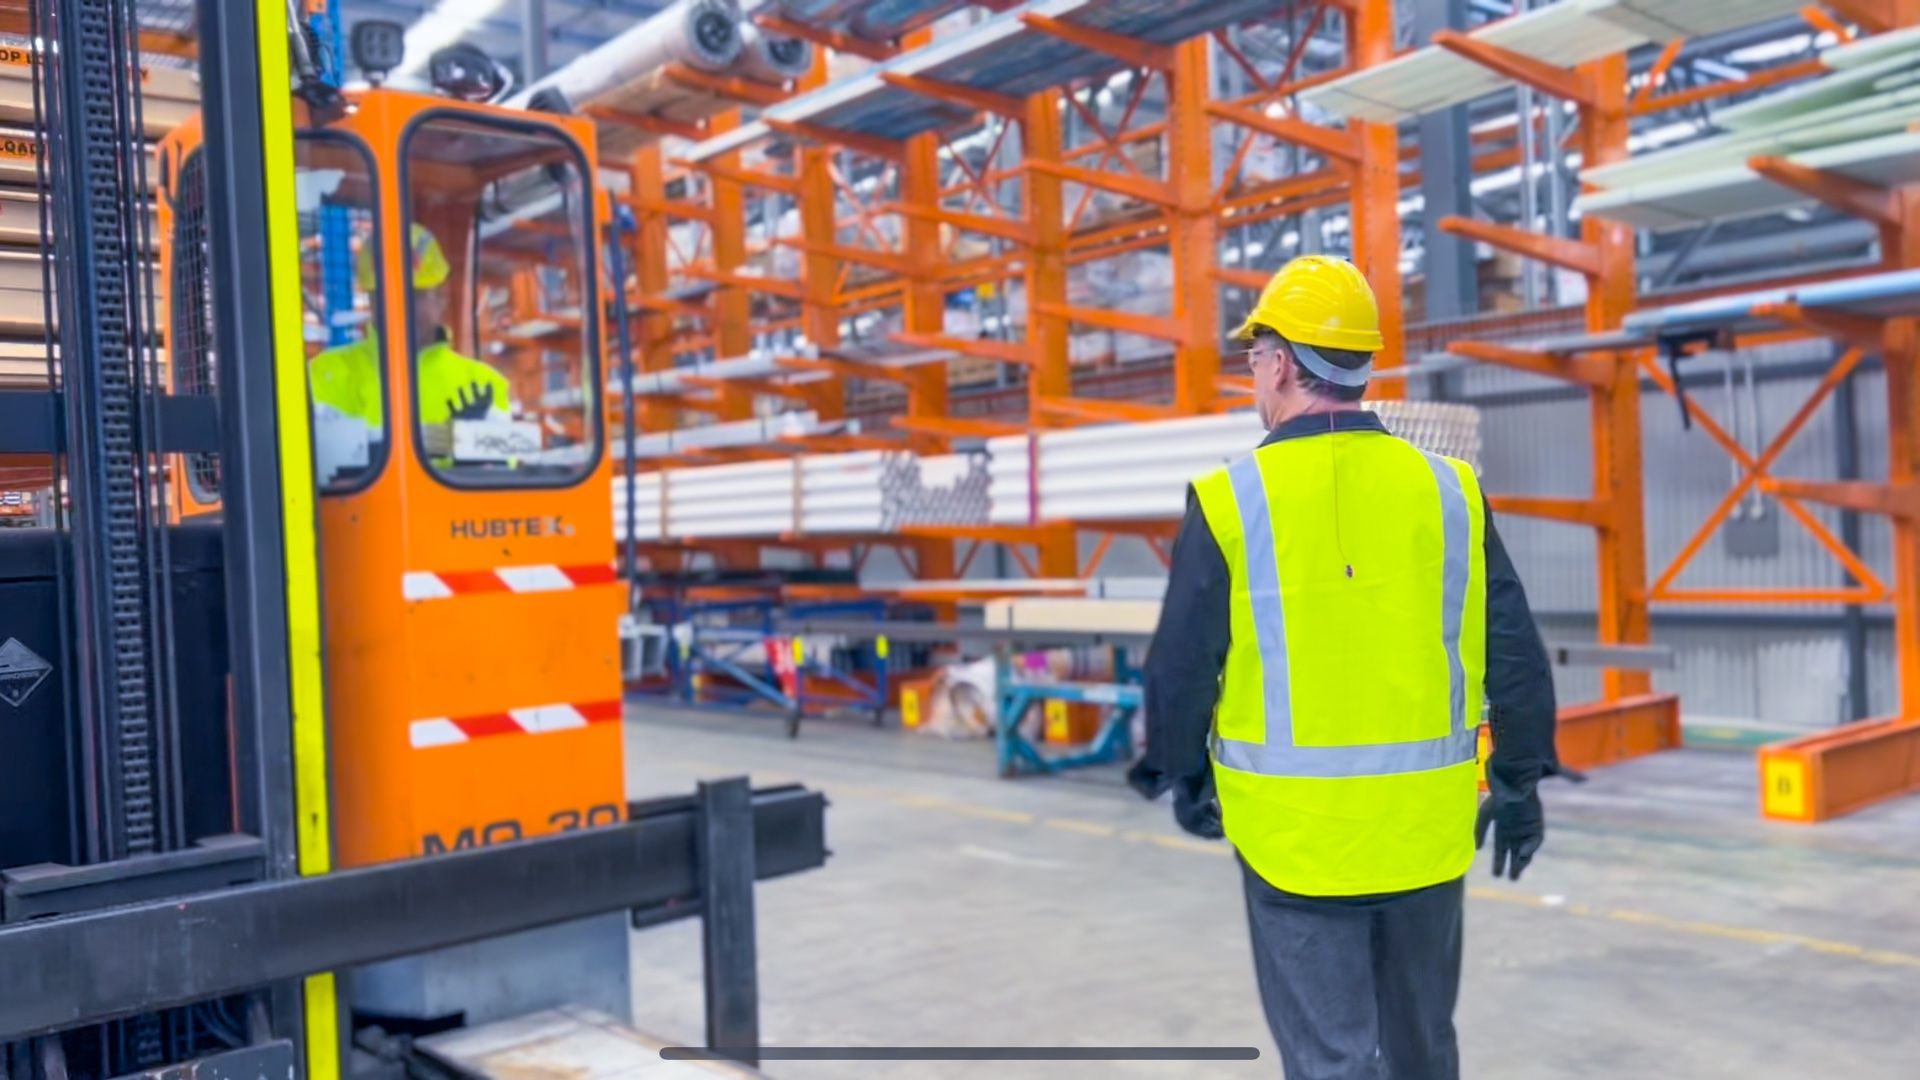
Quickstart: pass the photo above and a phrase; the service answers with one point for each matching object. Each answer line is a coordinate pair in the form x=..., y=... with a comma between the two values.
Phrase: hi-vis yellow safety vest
x=1344, y=742
x=347, y=377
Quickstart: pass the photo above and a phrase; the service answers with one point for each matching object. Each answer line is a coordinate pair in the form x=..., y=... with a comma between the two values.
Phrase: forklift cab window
x=504, y=339
x=340, y=292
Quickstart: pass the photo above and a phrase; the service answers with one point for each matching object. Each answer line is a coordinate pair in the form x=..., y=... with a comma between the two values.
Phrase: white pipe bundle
x=1102, y=473
x=858, y=493
x=632, y=73
x=1141, y=471
x=703, y=34
x=774, y=59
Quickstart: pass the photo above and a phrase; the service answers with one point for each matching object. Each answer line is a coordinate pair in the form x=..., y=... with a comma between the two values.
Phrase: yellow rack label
x=1784, y=793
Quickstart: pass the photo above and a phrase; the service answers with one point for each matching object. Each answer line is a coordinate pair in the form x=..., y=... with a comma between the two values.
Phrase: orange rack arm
x=785, y=185
x=1100, y=409
x=669, y=208
x=652, y=125
x=1341, y=146
x=1861, y=331
x=1870, y=202
x=871, y=145
x=1520, y=67
x=1153, y=326
x=883, y=260
x=726, y=86
x=830, y=39
x=1007, y=352
x=789, y=289
x=1004, y=228
x=1592, y=512
x=1575, y=255
x=1694, y=95
x=1587, y=370
x=987, y=101
x=1245, y=279
x=1894, y=500
x=1158, y=192
x=1876, y=15
x=1125, y=49
x=848, y=369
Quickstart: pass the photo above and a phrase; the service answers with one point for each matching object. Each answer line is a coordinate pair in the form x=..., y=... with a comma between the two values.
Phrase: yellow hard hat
x=1319, y=301
x=430, y=268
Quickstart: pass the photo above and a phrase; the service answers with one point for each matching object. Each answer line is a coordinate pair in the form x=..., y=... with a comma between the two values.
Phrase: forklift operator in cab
x=447, y=385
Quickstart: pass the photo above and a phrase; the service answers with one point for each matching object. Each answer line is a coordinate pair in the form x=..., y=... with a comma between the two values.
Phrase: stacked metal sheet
x=168, y=97
x=1137, y=472
x=1855, y=123
x=1564, y=35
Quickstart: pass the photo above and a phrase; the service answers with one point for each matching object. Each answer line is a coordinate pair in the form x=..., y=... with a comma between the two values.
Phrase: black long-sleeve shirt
x=1190, y=651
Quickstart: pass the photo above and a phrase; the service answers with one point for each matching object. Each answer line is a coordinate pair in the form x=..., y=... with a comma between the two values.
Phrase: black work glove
x=471, y=402
x=1196, y=809
x=1518, y=822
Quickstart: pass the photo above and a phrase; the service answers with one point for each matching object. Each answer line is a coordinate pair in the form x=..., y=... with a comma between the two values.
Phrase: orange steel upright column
x=926, y=301
x=1194, y=229
x=926, y=313
x=1376, y=195
x=1629, y=721
x=1901, y=358
x=1049, y=339
x=1618, y=468
x=648, y=197
x=1835, y=772
x=732, y=305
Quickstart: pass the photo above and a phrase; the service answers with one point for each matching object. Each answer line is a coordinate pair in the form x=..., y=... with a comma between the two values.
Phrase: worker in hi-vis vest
x=447, y=386
x=1338, y=608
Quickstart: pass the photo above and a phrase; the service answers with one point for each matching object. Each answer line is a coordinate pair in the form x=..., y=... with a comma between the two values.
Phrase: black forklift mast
x=153, y=917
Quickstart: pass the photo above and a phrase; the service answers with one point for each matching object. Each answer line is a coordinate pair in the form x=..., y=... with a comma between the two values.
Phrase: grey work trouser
x=1359, y=989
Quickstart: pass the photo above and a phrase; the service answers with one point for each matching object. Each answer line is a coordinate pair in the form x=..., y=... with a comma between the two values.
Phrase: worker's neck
x=1314, y=406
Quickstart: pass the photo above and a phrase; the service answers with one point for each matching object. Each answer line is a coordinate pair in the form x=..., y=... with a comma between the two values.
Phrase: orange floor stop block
x=1833, y=773
x=1606, y=732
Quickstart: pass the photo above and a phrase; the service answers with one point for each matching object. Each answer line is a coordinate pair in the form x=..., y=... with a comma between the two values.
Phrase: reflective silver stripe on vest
x=1458, y=559
x=1278, y=756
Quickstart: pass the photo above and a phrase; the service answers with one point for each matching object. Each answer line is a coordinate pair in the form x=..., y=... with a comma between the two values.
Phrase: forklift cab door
x=449, y=297
x=466, y=547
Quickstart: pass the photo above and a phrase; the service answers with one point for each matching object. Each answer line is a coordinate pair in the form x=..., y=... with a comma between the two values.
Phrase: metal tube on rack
x=703, y=34
x=774, y=59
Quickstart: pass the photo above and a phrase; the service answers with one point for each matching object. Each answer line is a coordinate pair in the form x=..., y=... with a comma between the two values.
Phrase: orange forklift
x=393, y=306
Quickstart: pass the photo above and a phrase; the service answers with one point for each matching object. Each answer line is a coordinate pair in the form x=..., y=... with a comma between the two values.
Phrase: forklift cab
x=449, y=279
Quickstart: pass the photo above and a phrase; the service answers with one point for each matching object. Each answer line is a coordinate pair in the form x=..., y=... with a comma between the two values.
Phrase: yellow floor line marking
x=1510, y=897
x=1091, y=828
x=1179, y=843
x=1752, y=935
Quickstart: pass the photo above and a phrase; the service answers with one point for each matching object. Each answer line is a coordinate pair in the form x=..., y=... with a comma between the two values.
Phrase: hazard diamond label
x=21, y=672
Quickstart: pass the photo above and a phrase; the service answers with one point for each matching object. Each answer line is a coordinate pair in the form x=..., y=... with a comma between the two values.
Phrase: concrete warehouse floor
x=1665, y=931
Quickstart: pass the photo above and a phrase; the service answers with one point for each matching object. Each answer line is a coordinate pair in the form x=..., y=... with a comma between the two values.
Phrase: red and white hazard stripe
x=545, y=577
x=533, y=720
